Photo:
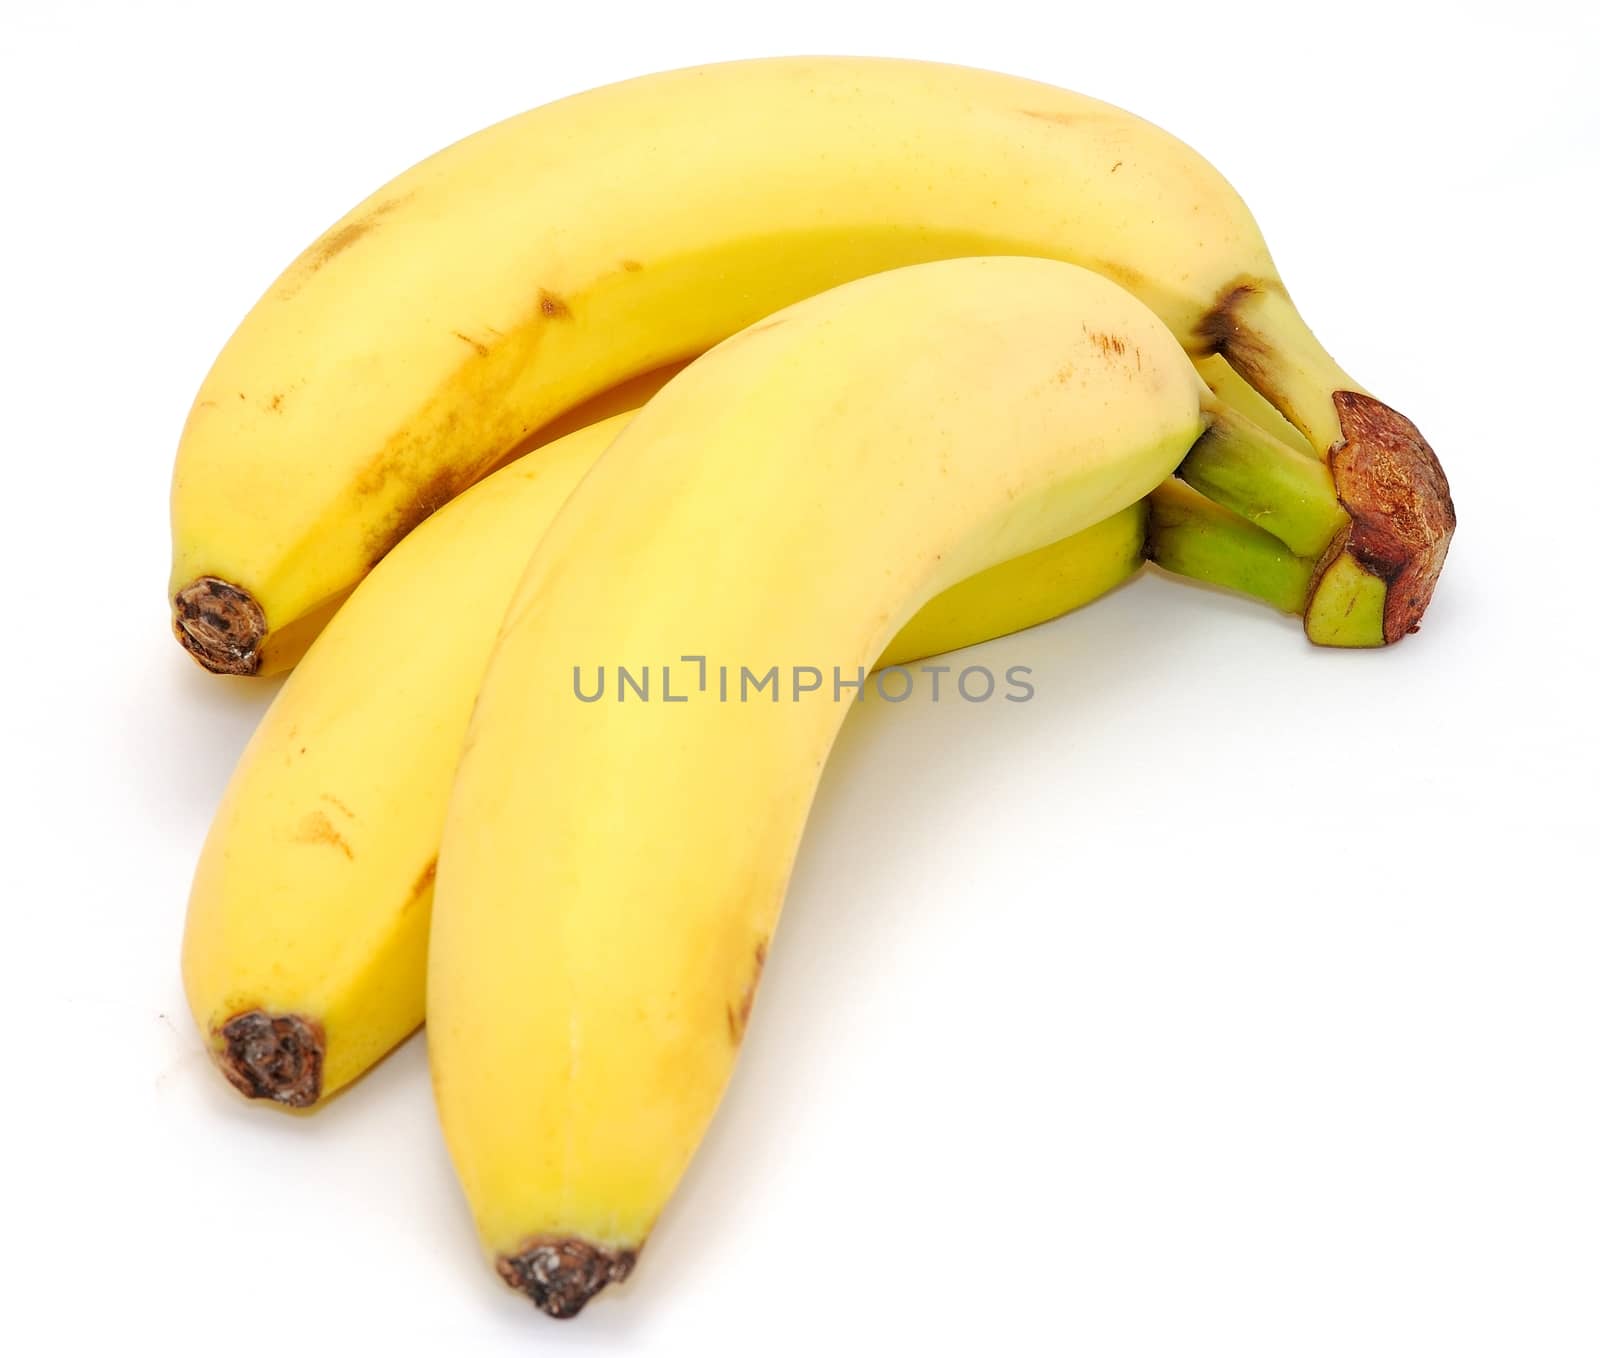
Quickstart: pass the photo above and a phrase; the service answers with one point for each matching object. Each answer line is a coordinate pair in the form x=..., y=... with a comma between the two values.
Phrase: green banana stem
x=1376, y=575
x=1192, y=536
x=1261, y=478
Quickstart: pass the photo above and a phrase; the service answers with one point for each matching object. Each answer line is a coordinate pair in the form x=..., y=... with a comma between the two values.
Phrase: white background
x=1232, y=997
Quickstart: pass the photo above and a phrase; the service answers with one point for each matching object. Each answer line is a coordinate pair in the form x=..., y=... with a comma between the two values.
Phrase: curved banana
x=611, y=869
x=515, y=274
x=306, y=938
x=306, y=941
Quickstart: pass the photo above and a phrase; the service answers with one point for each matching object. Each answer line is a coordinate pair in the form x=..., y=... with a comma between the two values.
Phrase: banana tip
x=1401, y=514
x=560, y=1274
x=220, y=625
x=273, y=1056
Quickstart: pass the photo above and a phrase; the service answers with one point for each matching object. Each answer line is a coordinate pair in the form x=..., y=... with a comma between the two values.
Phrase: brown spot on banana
x=739, y=1014
x=423, y=883
x=335, y=242
x=1221, y=331
x=220, y=625
x=316, y=828
x=560, y=1274
x=1401, y=515
x=553, y=306
x=432, y=493
x=272, y=1056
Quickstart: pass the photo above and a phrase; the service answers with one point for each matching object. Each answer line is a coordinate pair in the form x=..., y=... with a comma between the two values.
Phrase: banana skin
x=512, y=276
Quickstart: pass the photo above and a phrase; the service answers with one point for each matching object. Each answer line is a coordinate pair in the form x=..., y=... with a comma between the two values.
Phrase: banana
x=306, y=937
x=611, y=870
x=512, y=276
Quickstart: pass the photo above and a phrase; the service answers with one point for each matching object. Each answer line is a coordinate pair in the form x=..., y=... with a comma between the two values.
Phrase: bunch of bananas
x=962, y=352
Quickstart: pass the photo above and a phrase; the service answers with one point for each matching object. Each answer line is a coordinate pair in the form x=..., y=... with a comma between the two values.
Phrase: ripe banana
x=517, y=273
x=306, y=937
x=611, y=871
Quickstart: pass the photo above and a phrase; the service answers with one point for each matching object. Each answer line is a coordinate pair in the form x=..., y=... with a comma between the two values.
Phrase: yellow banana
x=517, y=273
x=306, y=941
x=306, y=938
x=611, y=870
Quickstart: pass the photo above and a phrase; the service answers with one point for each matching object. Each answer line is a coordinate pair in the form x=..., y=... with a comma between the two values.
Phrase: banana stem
x=1190, y=535
x=1237, y=394
x=1239, y=465
x=1378, y=571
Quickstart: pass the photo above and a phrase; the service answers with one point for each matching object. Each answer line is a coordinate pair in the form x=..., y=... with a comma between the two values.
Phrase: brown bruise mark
x=631, y=266
x=276, y=403
x=337, y=241
x=336, y=803
x=478, y=346
x=423, y=882
x=397, y=462
x=272, y=1056
x=334, y=243
x=560, y=1274
x=431, y=495
x=1107, y=344
x=1401, y=515
x=1220, y=331
x=316, y=828
x=1047, y=116
x=739, y=1015
x=220, y=625
x=1116, y=167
